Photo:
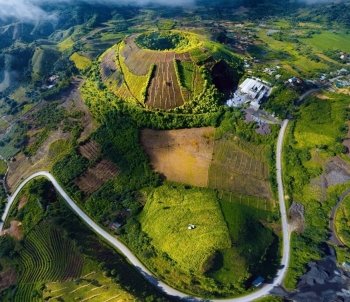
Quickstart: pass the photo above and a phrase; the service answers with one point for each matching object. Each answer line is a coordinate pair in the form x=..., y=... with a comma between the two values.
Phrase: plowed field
x=180, y=155
x=96, y=176
x=89, y=149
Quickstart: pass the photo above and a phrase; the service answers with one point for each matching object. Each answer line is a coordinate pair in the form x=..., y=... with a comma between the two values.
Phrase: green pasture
x=80, y=61
x=166, y=216
x=329, y=40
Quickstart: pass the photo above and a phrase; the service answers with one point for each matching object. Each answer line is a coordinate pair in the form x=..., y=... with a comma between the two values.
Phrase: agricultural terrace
x=167, y=70
x=89, y=149
x=180, y=155
x=59, y=258
x=313, y=175
x=343, y=221
x=240, y=167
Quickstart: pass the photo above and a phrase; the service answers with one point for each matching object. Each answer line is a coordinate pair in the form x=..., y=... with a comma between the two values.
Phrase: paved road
x=143, y=270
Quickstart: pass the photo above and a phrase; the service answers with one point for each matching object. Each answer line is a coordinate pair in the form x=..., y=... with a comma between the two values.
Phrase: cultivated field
x=96, y=176
x=46, y=256
x=93, y=287
x=180, y=155
x=168, y=212
x=239, y=167
x=110, y=71
x=164, y=89
x=89, y=149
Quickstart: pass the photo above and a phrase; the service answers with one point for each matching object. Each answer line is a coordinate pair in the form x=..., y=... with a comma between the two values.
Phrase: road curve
x=264, y=291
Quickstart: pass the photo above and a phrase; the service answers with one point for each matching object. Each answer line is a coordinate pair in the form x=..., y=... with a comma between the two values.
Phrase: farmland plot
x=89, y=149
x=180, y=155
x=239, y=167
x=46, y=256
x=96, y=176
x=109, y=70
x=164, y=91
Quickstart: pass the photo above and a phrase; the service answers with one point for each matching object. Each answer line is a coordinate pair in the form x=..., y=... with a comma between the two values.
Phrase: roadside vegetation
x=55, y=255
x=313, y=139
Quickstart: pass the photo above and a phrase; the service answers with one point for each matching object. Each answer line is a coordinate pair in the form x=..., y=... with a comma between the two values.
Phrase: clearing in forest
x=89, y=149
x=239, y=167
x=96, y=176
x=180, y=155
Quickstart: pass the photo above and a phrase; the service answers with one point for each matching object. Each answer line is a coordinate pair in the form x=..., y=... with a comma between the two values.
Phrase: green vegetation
x=3, y=168
x=342, y=221
x=171, y=40
x=12, y=142
x=311, y=139
x=184, y=72
x=165, y=218
x=58, y=252
x=80, y=62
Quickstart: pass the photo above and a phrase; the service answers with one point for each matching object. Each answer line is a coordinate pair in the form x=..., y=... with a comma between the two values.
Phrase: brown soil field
x=22, y=166
x=180, y=155
x=22, y=202
x=239, y=167
x=89, y=149
x=8, y=278
x=15, y=230
x=96, y=176
x=164, y=90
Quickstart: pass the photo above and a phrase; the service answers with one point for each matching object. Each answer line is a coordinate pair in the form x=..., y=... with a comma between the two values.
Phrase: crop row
x=46, y=256
x=164, y=91
x=96, y=176
x=89, y=149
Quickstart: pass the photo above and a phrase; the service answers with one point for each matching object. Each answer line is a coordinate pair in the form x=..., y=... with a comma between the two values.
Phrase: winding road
x=264, y=291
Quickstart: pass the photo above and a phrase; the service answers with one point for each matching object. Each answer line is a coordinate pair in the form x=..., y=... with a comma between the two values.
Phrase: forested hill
x=332, y=13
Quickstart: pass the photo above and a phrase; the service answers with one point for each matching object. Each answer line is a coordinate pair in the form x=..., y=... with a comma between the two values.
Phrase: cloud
x=32, y=10
x=20, y=9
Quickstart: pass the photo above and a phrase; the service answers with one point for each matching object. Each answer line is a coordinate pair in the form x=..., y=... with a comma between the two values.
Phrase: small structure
x=191, y=227
x=258, y=281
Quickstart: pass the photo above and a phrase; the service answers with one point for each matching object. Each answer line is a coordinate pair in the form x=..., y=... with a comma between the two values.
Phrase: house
x=258, y=281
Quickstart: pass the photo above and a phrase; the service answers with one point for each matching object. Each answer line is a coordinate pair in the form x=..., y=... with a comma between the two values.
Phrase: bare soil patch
x=297, y=220
x=22, y=202
x=89, y=149
x=8, y=278
x=321, y=96
x=15, y=230
x=96, y=176
x=180, y=155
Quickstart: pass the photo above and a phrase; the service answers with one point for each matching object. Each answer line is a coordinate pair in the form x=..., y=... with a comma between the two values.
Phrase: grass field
x=342, y=221
x=168, y=212
x=239, y=167
x=80, y=61
x=180, y=155
x=329, y=40
x=3, y=167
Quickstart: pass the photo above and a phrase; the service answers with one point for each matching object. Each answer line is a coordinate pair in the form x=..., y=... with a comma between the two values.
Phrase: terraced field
x=239, y=167
x=46, y=256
